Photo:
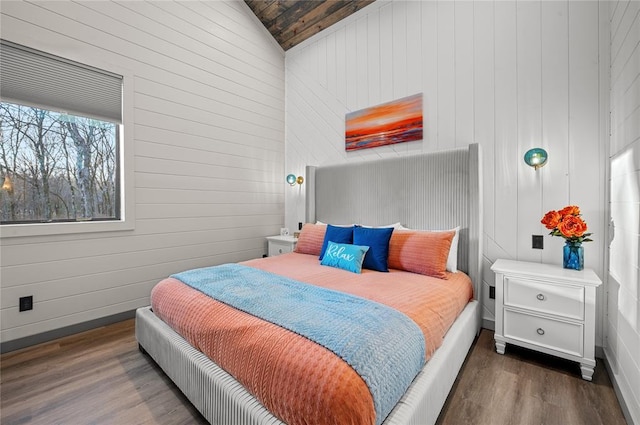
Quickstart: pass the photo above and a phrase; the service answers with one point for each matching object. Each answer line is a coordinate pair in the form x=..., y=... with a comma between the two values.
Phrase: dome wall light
x=293, y=180
x=536, y=157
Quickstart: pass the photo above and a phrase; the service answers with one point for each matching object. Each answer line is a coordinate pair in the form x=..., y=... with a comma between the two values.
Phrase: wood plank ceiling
x=293, y=21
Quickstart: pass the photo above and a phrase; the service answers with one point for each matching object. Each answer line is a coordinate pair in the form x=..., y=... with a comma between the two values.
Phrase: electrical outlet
x=492, y=292
x=537, y=242
x=26, y=303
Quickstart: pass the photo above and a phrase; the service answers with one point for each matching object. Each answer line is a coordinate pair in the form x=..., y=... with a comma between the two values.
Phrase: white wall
x=507, y=75
x=208, y=140
x=622, y=345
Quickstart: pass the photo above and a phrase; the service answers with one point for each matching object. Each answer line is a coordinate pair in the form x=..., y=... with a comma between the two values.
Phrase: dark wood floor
x=100, y=377
x=524, y=387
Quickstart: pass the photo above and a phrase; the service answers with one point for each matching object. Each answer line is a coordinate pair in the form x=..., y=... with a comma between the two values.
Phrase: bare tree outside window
x=56, y=167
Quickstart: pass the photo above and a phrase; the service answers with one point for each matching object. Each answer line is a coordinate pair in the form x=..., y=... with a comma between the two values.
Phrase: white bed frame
x=438, y=190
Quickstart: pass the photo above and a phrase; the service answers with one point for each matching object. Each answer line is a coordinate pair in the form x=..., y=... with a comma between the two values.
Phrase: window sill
x=45, y=229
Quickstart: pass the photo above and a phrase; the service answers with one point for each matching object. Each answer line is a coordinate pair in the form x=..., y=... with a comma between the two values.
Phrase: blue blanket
x=384, y=346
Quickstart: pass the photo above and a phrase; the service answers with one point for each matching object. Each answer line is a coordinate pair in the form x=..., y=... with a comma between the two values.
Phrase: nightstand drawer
x=281, y=245
x=279, y=248
x=552, y=334
x=565, y=301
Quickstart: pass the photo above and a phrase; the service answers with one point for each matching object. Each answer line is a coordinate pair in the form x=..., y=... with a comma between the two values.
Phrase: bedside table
x=547, y=308
x=281, y=244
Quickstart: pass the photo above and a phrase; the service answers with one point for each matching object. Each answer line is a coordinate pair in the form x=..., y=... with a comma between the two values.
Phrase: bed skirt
x=222, y=400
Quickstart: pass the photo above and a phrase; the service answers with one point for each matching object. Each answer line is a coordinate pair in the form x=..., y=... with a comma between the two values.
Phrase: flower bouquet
x=568, y=223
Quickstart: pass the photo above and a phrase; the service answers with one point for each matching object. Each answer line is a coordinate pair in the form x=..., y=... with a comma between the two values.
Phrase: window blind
x=34, y=78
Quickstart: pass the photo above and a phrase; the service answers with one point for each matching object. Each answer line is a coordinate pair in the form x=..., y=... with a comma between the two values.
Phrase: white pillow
x=452, y=259
x=394, y=225
x=334, y=225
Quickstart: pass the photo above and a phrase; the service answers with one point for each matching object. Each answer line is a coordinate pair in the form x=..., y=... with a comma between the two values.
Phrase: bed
x=434, y=191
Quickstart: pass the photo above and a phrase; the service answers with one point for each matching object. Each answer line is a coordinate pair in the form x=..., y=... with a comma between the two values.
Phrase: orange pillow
x=311, y=239
x=420, y=251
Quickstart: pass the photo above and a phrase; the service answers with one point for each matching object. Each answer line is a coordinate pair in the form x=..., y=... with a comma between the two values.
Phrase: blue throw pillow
x=378, y=242
x=344, y=256
x=336, y=234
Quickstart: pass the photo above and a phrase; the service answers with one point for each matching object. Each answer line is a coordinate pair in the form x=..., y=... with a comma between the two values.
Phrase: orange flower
x=570, y=210
x=568, y=224
x=572, y=226
x=551, y=219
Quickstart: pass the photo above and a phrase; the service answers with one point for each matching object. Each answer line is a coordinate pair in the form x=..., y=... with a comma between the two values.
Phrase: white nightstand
x=547, y=308
x=281, y=244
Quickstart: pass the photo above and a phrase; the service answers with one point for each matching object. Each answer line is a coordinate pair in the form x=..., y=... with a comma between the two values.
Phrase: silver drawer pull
x=541, y=297
x=540, y=331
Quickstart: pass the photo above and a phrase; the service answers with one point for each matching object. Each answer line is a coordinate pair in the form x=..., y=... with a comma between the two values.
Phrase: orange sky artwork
x=393, y=122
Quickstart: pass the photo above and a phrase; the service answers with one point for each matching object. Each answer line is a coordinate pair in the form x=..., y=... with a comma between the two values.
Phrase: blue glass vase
x=573, y=257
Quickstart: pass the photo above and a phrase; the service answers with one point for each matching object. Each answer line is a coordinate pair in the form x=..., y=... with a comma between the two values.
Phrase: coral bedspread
x=297, y=380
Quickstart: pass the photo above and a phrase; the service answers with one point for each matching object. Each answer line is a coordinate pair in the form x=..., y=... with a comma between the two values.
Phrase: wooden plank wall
x=623, y=319
x=508, y=75
x=291, y=22
x=209, y=153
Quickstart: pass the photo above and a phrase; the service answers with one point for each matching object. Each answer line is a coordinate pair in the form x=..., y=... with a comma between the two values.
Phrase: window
x=60, y=131
x=57, y=167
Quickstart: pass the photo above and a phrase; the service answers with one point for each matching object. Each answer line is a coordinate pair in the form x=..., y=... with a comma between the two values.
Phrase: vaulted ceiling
x=293, y=21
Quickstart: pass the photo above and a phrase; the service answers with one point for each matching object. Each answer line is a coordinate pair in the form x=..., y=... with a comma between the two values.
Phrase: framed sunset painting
x=392, y=122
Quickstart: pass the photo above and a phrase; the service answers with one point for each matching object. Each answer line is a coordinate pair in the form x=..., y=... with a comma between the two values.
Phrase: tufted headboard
x=431, y=191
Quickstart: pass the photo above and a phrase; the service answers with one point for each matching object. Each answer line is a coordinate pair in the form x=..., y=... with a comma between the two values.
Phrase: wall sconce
x=536, y=157
x=292, y=179
x=7, y=185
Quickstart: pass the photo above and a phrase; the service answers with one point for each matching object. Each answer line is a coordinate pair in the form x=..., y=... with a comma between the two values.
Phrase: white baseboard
x=489, y=324
x=623, y=405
